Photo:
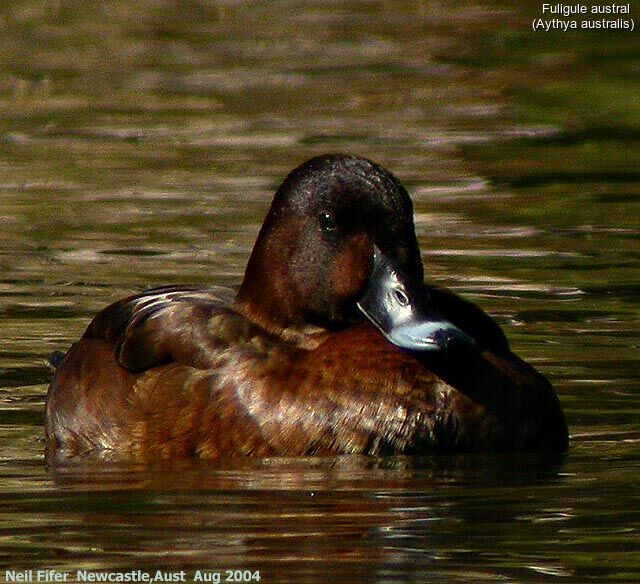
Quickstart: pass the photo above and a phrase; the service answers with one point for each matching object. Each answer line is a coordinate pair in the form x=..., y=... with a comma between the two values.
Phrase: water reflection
x=353, y=473
x=350, y=516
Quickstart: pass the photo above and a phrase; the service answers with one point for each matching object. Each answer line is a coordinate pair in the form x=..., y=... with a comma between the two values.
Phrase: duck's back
x=139, y=382
x=175, y=372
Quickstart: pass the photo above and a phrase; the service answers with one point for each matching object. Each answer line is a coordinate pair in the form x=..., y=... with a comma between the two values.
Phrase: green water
x=140, y=144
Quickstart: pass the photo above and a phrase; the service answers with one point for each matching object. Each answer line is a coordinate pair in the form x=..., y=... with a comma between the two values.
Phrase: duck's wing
x=161, y=325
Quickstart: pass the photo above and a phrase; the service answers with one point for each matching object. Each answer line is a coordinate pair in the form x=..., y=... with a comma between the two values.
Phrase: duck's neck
x=267, y=301
x=302, y=335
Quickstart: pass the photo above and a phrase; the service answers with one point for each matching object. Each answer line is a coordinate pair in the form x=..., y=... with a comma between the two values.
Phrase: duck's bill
x=400, y=309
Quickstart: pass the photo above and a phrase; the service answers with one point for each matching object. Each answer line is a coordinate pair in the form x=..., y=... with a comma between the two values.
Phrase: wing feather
x=160, y=325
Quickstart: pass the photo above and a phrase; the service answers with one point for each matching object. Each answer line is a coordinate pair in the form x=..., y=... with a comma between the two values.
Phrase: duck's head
x=338, y=245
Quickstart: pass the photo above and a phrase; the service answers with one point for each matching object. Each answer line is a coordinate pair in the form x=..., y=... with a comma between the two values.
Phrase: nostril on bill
x=401, y=298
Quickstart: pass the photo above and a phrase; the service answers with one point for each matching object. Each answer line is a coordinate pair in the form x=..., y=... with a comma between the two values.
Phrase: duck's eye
x=326, y=221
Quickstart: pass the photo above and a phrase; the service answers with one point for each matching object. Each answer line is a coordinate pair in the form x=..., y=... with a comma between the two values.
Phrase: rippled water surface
x=140, y=143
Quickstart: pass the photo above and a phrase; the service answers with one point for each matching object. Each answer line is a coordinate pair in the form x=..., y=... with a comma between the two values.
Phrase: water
x=140, y=144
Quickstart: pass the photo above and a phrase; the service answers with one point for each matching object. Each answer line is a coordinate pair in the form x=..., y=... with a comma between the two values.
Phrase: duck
x=333, y=345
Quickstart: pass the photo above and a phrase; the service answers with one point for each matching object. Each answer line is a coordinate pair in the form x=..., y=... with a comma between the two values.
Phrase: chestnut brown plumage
x=333, y=345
